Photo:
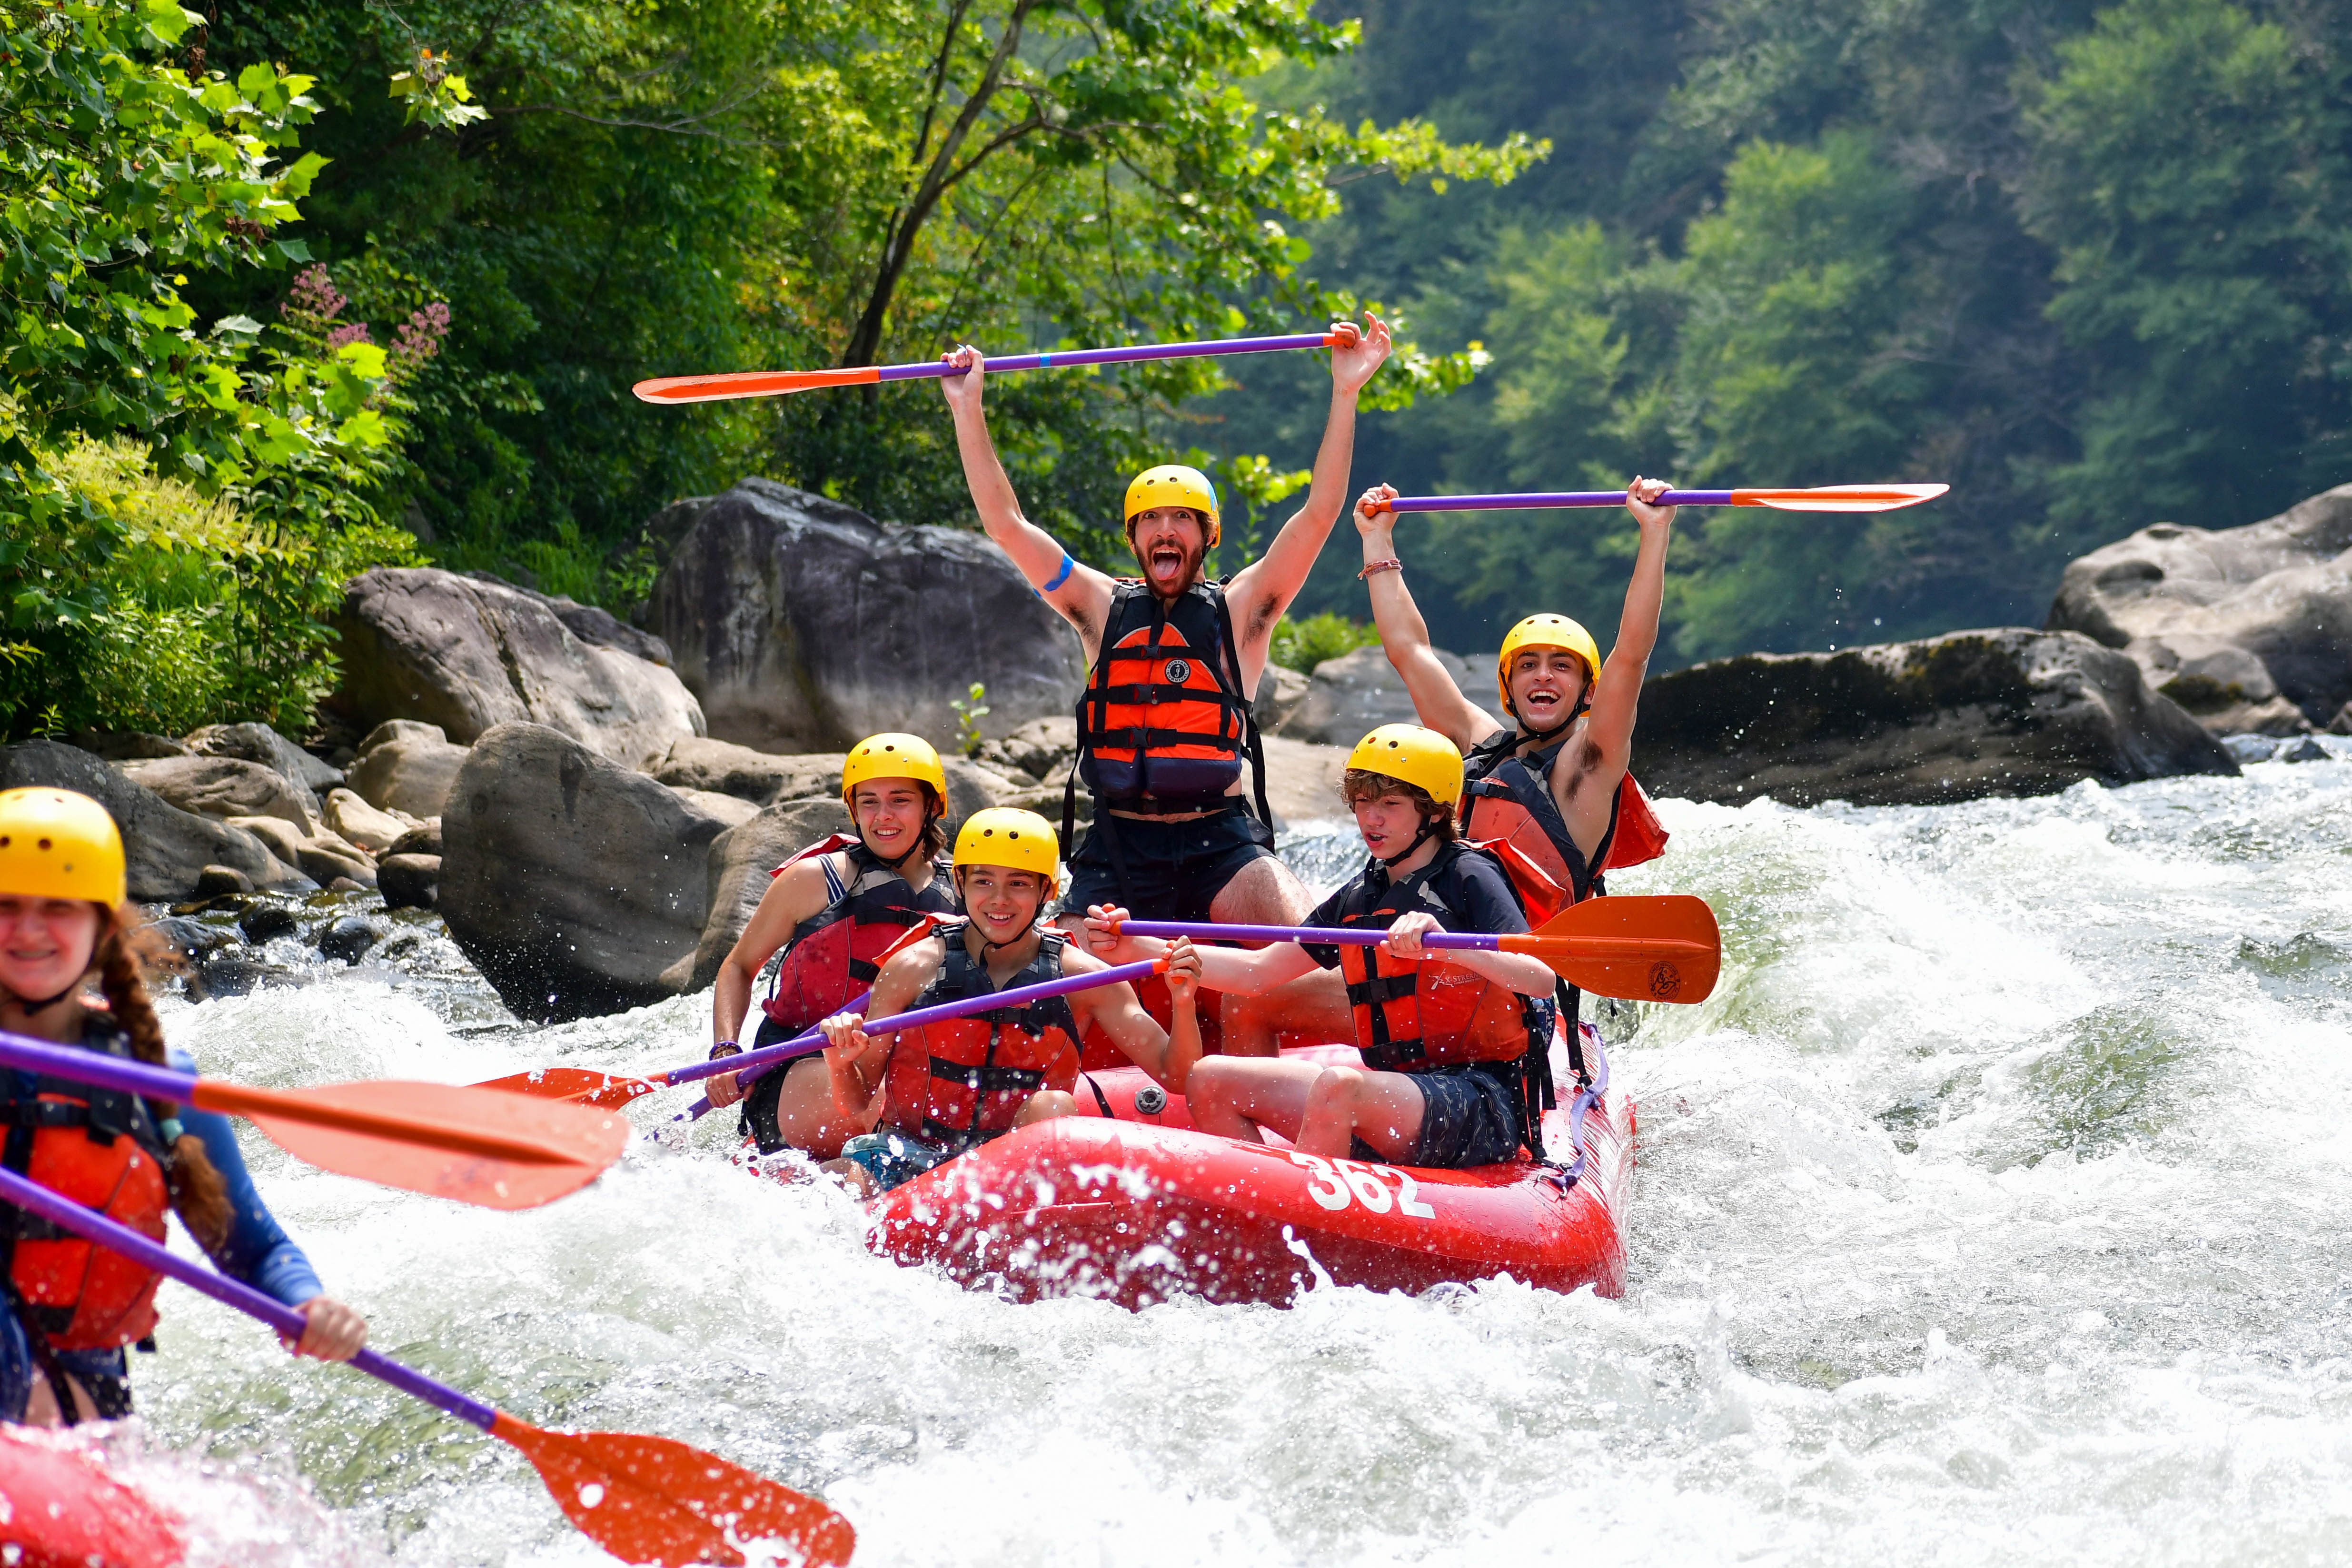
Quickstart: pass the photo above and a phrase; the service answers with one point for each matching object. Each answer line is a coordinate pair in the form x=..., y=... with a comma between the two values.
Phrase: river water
x=1992, y=1210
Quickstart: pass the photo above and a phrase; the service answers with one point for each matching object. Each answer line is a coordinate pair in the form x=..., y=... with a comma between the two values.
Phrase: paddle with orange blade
x=478, y=1146
x=645, y=1499
x=585, y=1086
x=777, y=382
x=1643, y=949
x=1828, y=498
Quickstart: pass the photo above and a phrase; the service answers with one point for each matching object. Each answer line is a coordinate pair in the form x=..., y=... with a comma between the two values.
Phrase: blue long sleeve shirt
x=258, y=1251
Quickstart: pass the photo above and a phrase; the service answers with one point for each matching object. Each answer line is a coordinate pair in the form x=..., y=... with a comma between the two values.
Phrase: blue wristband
x=1060, y=577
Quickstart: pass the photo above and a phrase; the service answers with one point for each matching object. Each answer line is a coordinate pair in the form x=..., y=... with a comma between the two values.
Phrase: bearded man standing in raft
x=837, y=908
x=1174, y=661
x=945, y=1088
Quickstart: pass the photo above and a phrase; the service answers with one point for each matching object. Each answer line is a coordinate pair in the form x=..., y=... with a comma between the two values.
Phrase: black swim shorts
x=1163, y=870
x=1469, y=1116
x=761, y=1118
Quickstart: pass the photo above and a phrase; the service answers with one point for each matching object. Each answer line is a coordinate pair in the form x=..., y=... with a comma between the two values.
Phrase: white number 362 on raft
x=1352, y=1182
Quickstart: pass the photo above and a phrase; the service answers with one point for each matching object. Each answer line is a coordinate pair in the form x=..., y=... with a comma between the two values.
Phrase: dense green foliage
x=2087, y=263
x=276, y=277
x=200, y=587
x=668, y=188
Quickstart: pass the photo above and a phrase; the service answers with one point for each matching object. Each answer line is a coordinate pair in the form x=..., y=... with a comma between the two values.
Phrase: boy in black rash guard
x=1445, y=1034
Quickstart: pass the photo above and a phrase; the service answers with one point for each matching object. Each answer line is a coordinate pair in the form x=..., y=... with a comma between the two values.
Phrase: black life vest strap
x=1231, y=697
x=1374, y=989
x=988, y=1080
x=105, y=1115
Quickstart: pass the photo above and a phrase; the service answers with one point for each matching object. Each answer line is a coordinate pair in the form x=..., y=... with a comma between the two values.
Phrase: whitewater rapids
x=1992, y=1210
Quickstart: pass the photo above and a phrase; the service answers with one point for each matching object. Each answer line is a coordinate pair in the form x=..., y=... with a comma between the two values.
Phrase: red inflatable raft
x=1126, y=1200
x=59, y=1508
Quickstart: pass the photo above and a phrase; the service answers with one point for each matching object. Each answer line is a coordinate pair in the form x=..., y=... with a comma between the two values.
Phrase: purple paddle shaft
x=67, y=1214
x=1348, y=936
x=1131, y=355
x=815, y=1039
x=93, y=1067
x=1546, y=500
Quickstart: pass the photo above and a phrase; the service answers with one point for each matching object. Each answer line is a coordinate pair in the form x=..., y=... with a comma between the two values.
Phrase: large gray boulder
x=225, y=787
x=741, y=861
x=804, y=626
x=1349, y=696
x=2009, y=711
x=255, y=743
x=570, y=881
x=467, y=653
x=2249, y=629
x=167, y=848
x=406, y=767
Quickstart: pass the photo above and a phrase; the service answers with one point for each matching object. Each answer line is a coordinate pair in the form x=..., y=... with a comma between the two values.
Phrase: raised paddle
x=645, y=1499
x=1829, y=498
x=1645, y=949
x=776, y=382
x=476, y=1145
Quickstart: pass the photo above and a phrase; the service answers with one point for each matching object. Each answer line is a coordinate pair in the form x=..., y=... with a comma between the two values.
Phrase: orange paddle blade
x=751, y=383
x=657, y=1501
x=478, y=1146
x=581, y=1086
x=1664, y=949
x=1842, y=498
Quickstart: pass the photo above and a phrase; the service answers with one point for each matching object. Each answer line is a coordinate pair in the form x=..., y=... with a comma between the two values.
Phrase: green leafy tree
x=2193, y=169
x=673, y=187
x=124, y=172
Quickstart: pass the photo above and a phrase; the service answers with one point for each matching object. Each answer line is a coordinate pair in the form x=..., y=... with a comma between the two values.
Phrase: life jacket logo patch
x=1666, y=981
x=1178, y=671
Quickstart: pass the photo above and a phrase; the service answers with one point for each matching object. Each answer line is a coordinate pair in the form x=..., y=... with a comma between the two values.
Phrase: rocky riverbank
x=553, y=780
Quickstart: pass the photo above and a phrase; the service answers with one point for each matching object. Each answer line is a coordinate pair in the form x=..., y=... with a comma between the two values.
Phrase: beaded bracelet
x=1391, y=564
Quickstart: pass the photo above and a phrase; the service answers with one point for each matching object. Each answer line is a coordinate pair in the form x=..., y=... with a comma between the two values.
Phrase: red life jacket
x=1507, y=800
x=103, y=1150
x=835, y=954
x=961, y=1082
x=1163, y=722
x=1412, y=1016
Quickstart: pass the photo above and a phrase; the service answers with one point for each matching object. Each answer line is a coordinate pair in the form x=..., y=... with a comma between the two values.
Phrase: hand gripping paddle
x=645, y=1499
x=476, y=1145
x=1643, y=949
x=752, y=1064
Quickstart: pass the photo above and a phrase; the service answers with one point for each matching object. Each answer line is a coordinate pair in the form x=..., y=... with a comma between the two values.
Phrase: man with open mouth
x=1164, y=723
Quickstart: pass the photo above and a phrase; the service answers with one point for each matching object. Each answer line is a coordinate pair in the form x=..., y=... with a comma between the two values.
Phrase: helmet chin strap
x=1583, y=702
x=34, y=1009
x=899, y=865
x=1428, y=831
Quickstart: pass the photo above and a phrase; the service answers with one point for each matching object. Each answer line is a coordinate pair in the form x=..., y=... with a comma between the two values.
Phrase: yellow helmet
x=1416, y=755
x=1006, y=836
x=1545, y=631
x=56, y=843
x=1173, y=484
x=894, y=756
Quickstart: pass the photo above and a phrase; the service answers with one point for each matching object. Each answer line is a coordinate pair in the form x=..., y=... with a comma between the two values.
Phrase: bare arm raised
x=1264, y=589
x=1586, y=789
x=1437, y=702
x=1080, y=593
